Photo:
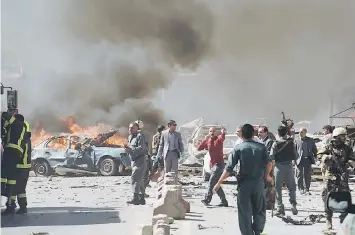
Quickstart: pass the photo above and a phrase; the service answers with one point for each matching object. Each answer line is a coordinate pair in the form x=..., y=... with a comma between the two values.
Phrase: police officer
x=149, y=161
x=335, y=158
x=255, y=168
x=137, y=149
x=284, y=154
x=13, y=151
x=158, y=162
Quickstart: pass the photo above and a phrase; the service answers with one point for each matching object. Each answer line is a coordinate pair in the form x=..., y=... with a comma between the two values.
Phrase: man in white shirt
x=240, y=139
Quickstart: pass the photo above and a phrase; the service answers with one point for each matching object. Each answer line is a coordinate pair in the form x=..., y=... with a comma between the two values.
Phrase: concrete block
x=185, y=203
x=163, y=217
x=169, y=203
x=146, y=230
x=161, y=229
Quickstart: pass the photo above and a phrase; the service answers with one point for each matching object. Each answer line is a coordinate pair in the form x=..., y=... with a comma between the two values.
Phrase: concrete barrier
x=169, y=205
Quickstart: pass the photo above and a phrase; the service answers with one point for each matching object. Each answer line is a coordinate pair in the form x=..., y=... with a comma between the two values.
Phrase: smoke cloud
x=107, y=60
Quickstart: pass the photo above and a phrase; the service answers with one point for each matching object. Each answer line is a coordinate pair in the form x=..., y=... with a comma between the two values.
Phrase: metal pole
x=331, y=109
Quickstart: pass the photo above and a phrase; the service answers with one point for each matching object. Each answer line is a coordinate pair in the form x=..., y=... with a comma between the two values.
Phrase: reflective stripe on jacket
x=26, y=157
x=16, y=134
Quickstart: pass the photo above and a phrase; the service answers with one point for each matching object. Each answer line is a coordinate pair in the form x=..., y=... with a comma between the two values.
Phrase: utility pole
x=331, y=109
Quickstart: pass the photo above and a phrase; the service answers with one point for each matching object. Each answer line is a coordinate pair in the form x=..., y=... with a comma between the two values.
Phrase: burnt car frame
x=90, y=158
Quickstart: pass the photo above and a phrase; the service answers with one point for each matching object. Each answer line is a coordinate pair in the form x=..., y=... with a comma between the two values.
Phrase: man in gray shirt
x=307, y=153
x=255, y=168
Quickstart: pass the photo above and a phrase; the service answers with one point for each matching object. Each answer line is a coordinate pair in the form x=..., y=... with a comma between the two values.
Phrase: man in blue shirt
x=255, y=168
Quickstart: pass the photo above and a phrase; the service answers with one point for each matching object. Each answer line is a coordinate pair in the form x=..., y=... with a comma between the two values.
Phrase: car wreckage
x=65, y=154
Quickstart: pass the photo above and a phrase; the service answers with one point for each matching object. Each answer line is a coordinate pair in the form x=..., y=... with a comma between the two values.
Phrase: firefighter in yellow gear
x=24, y=168
x=13, y=151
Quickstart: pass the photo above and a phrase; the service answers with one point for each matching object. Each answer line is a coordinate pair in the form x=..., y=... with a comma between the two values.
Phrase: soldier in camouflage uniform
x=335, y=158
x=158, y=163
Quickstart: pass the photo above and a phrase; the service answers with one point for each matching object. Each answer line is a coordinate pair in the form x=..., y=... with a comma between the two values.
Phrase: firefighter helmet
x=339, y=131
x=140, y=124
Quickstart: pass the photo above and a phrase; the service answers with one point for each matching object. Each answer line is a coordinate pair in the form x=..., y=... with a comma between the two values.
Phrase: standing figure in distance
x=263, y=133
x=284, y=154
x=158, y=162
x=307, y=153
x=255, y=168
x=214, y=145
x=171, y=148
x=137, y=149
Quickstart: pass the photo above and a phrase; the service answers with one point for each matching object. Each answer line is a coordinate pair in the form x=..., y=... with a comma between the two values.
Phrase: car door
x=55, y=149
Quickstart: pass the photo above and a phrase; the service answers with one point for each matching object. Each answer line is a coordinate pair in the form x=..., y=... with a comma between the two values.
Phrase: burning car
x=68, y=153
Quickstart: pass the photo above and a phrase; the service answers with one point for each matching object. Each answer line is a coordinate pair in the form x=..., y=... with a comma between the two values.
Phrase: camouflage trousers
x=334, y=185
x=270, y=193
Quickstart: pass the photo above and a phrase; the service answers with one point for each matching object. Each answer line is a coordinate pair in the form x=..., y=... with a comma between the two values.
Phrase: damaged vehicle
x=70, y=154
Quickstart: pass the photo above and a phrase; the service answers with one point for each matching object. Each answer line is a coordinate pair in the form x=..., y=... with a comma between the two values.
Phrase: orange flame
x=40, y=134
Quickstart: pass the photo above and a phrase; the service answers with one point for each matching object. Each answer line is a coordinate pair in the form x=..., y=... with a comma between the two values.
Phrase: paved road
x=96, y=205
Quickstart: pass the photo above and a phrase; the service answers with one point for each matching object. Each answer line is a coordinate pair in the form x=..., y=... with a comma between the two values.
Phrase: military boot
x=22, y=202
x=294, y=209
x=280, y=211
x=224, y=203
x=329, y=223
x=141, y=199
x=135, y=200
x=207, y=200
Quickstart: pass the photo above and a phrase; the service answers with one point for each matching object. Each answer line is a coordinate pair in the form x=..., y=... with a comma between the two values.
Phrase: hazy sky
x=109, y=60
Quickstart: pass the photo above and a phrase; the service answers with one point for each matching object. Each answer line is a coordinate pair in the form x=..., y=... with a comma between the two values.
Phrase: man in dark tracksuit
x=214, y=145
x=255, y=168
x=284, y=154
x=24, y=168
x=13, y=151
x=307, y=153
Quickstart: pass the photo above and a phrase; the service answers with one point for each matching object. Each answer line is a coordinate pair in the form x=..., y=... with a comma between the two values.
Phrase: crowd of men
x=15, y=161
x=266, y=165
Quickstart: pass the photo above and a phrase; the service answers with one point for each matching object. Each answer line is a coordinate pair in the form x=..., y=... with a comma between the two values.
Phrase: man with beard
x=284, y=154
x=335, y=158
x=137, y=149
x=214, y=145
x=307, y=152
x=263, y=133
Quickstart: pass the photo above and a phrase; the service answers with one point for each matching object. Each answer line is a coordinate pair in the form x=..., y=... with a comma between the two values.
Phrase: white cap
x=339, y=131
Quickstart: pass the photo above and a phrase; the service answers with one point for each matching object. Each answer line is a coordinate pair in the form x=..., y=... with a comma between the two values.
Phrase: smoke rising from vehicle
x=252, y=59
x=102, y=83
